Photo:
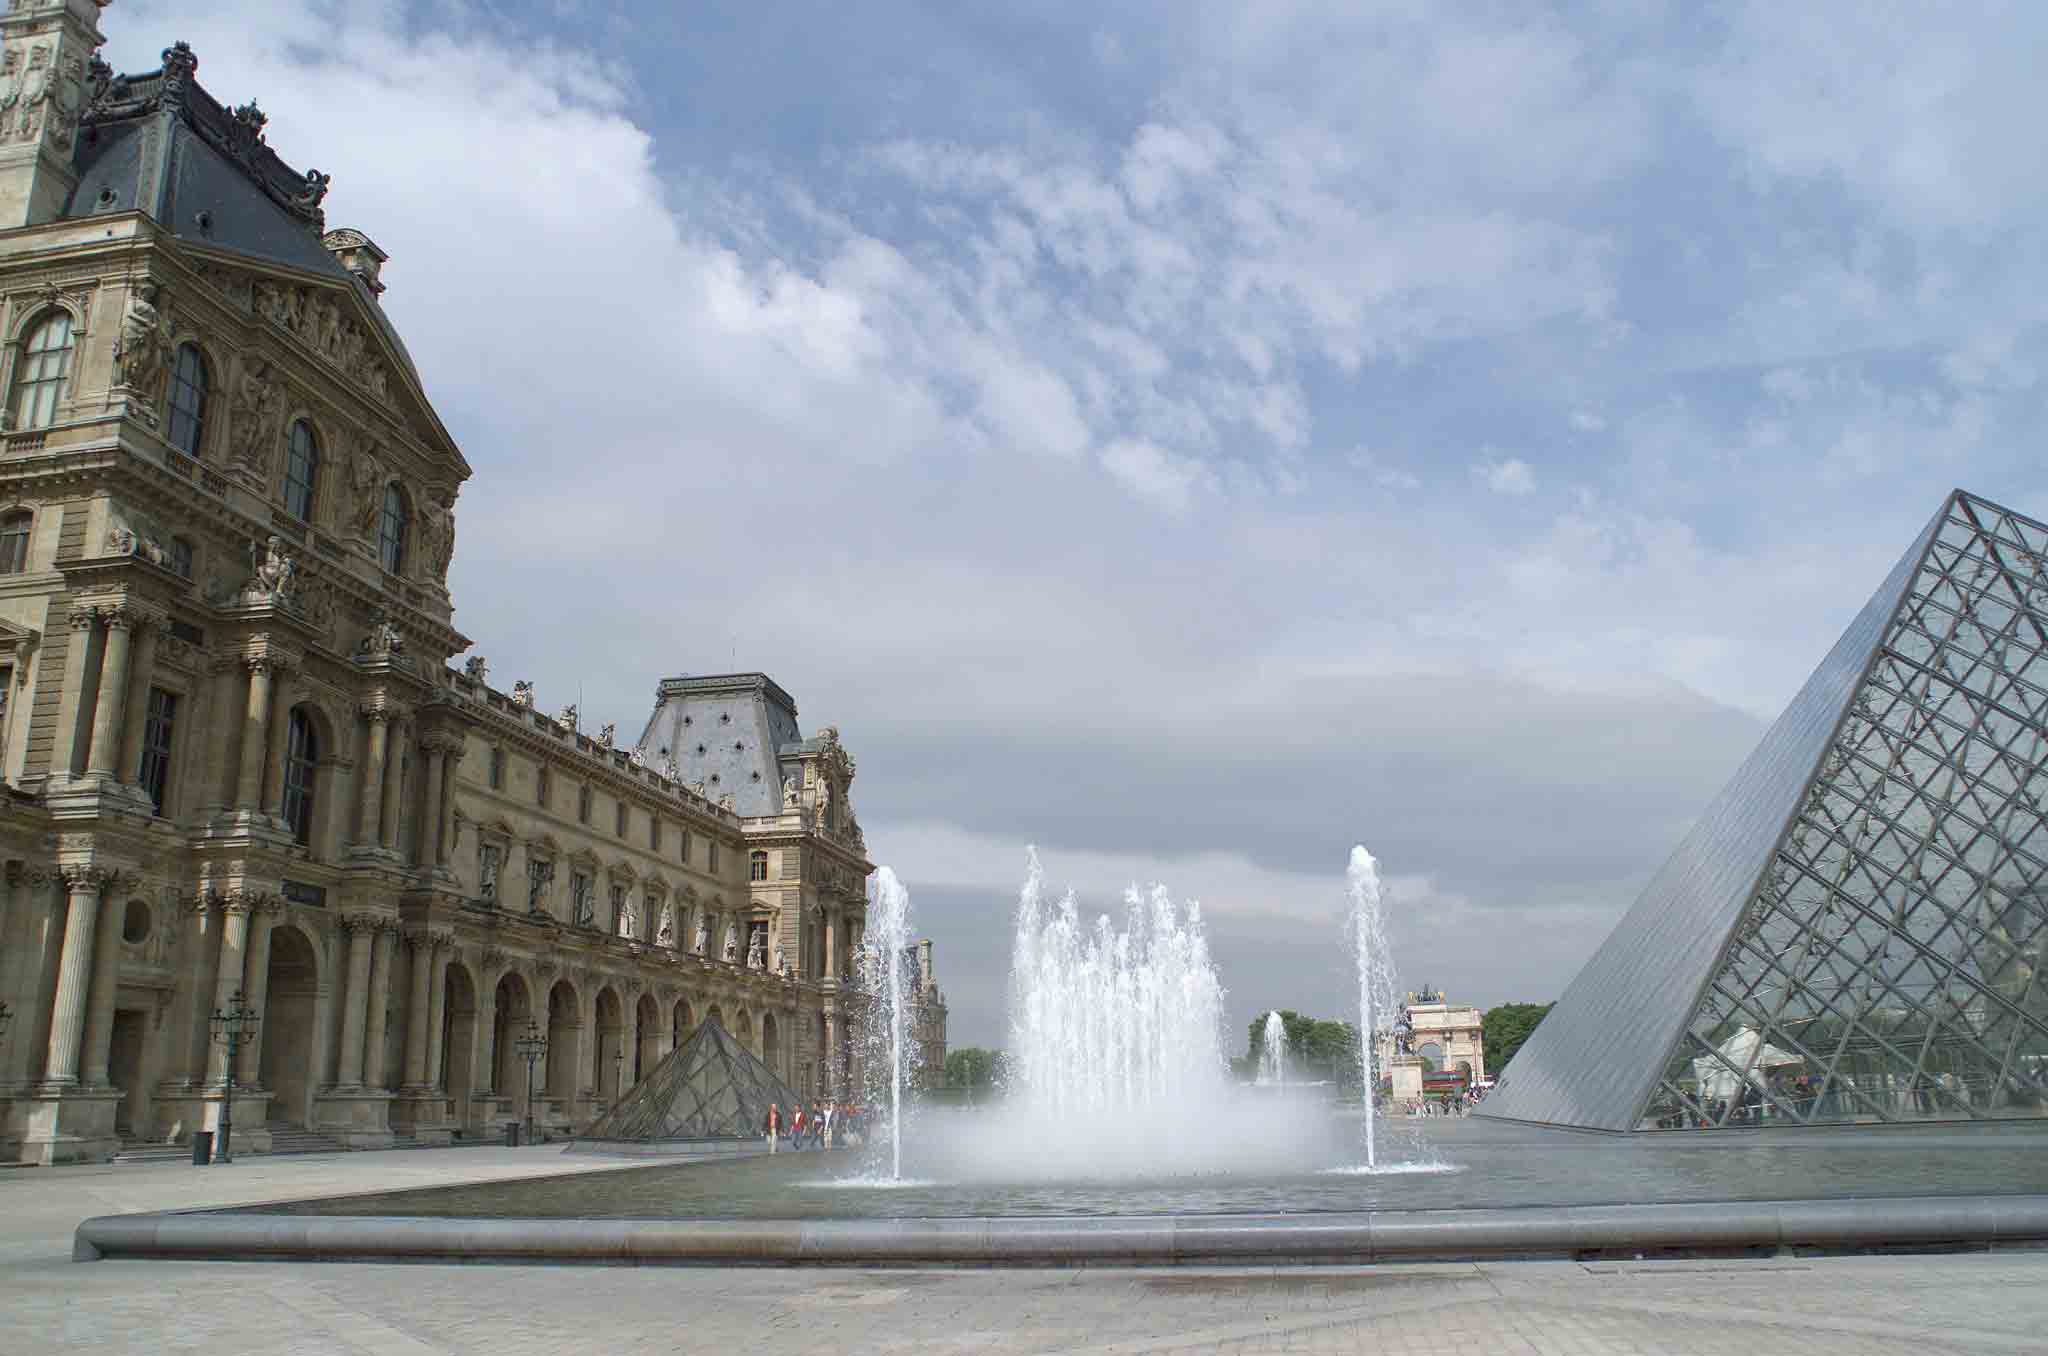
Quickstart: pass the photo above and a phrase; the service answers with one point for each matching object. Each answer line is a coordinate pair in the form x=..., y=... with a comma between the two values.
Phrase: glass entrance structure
x=1855, y=930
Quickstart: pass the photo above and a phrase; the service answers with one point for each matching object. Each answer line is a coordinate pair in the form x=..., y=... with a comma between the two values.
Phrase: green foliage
x=1504, y=1028
x=1316, y=1049
x=973, y=1067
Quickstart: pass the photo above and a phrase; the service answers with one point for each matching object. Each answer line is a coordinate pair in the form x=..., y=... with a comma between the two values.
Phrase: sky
x=1195, y=437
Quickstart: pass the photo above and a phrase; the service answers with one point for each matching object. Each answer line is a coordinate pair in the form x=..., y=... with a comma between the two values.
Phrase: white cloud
x=1511, y=476
x=1153, y=474
x=1586, y=421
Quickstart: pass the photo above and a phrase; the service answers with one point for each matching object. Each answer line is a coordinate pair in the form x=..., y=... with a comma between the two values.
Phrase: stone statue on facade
x=606, y=733
x=522, y=694
x=257, y=406
x=569, y=717
x=732, y=942
x=366, y=492
x=635, y=757
x=437, y=536
x=667, y=934
x=384, y=640
x=789, y=793
x=476, y=668
x=144, y=347
x=487, y=873
x=757, y=951
x=703, y=941
x=273, y=575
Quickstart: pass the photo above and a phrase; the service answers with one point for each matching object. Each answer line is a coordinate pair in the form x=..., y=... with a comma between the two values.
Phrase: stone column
x=355, y=997
x=204, y=953
x=380, y=1006
x=106, y=978
x=278, y=752
x=426, y=849
x=255, y=732
x=64, y=753
x=483, y=1050
x=234, y=935
x=256, y=987
x=371, y=806
x=831, y=944
x=437, y=1008
x=418, y=1009
x=128, y=762
x=74, y=972
x=832, y=1034
x=108, y=711
x=394, y=777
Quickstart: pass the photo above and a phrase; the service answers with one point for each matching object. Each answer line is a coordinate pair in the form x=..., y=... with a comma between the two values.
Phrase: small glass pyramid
x=709, y=1087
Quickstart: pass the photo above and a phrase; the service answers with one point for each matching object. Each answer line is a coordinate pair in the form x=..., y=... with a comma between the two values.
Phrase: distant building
x=1432, y=1036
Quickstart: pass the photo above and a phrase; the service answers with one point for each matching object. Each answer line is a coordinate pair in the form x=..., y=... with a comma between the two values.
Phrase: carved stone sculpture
x=522, y=694
x=476, y=667
x=570, y=717
x=144, y=347
x=789, y=793
x=666, y=935
x=273, y=574
x=606, y=733
x=703, y=942
x=437, y=536
x=732, y=942
x=257, y=408
x=366, y=492
x=383, y=641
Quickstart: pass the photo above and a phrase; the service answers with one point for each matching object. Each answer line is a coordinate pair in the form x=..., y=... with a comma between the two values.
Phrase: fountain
x=887, y=939
x=1375, y=979
x=1273, y=1057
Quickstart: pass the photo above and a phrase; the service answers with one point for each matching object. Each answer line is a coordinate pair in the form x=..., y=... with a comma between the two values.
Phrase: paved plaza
x=1957, y=1303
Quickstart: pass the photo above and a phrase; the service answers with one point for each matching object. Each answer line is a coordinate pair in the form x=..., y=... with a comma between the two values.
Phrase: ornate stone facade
x=234, y=756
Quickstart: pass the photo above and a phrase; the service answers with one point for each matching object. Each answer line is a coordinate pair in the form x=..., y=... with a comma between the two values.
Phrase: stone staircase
x=151, y=1151
x=295, y=1139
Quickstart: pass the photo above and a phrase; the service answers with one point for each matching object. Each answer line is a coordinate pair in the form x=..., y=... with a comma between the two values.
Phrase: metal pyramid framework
x=710, y=1087
x=1855, y=930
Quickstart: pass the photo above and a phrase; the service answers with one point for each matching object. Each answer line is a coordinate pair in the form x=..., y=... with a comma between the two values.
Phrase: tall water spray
x=1104, y=1022
x=1273, y=1056
x=1375, y=977
x=887, y=942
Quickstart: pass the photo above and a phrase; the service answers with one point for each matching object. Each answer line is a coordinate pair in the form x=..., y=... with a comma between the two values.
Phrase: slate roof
x=735, y=732
x=159, y=143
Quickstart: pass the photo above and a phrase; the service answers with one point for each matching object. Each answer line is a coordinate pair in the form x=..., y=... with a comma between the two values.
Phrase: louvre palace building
x=244, y=757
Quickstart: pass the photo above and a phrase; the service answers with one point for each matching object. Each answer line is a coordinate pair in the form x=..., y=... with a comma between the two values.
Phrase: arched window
x=188, y=400
x=391, y=529
x=301, y=762
x=44, y=368
x=14, y=530
x=757, y=865
x=301, y=462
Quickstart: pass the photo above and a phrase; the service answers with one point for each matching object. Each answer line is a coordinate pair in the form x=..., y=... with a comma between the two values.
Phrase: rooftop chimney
x=358, y=254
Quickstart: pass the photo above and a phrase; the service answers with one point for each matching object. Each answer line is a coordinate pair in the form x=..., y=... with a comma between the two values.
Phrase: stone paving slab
x=1973, y=1302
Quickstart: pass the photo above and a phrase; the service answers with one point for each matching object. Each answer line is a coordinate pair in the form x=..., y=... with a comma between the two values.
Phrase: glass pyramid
x=1854, y=932
x=707, y=1088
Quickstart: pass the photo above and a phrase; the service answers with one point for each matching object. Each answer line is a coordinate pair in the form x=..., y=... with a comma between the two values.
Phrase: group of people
x=815, y=1127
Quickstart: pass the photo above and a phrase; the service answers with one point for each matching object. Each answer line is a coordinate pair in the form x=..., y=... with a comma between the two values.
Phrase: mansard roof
x=159, y=144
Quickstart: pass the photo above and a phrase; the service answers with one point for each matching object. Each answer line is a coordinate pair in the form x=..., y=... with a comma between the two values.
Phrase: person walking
x=796, y=1127
x=774, y=1124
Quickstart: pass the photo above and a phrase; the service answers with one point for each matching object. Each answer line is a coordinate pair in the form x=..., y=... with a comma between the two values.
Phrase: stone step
x=296, y=1139
x=150, y=1151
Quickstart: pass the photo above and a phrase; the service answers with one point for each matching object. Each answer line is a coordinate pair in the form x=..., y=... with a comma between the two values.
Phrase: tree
x=1504, y=1028
x=1315, y=1048
x=972, y=1067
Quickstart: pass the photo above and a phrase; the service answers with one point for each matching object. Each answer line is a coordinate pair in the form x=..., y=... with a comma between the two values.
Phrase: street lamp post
x=618, y=1071
x=531, y=1047
x=233, y=1027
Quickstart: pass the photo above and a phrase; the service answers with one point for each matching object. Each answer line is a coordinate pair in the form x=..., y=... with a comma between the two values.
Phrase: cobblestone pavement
x=1957, y=1303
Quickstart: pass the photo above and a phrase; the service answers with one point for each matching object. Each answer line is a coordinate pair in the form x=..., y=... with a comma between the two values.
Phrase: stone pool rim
x=1109, y=1240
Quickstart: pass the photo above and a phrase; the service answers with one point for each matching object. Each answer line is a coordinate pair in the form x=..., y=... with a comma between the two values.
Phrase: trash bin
x=202, y=1148
x=511, y=1134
